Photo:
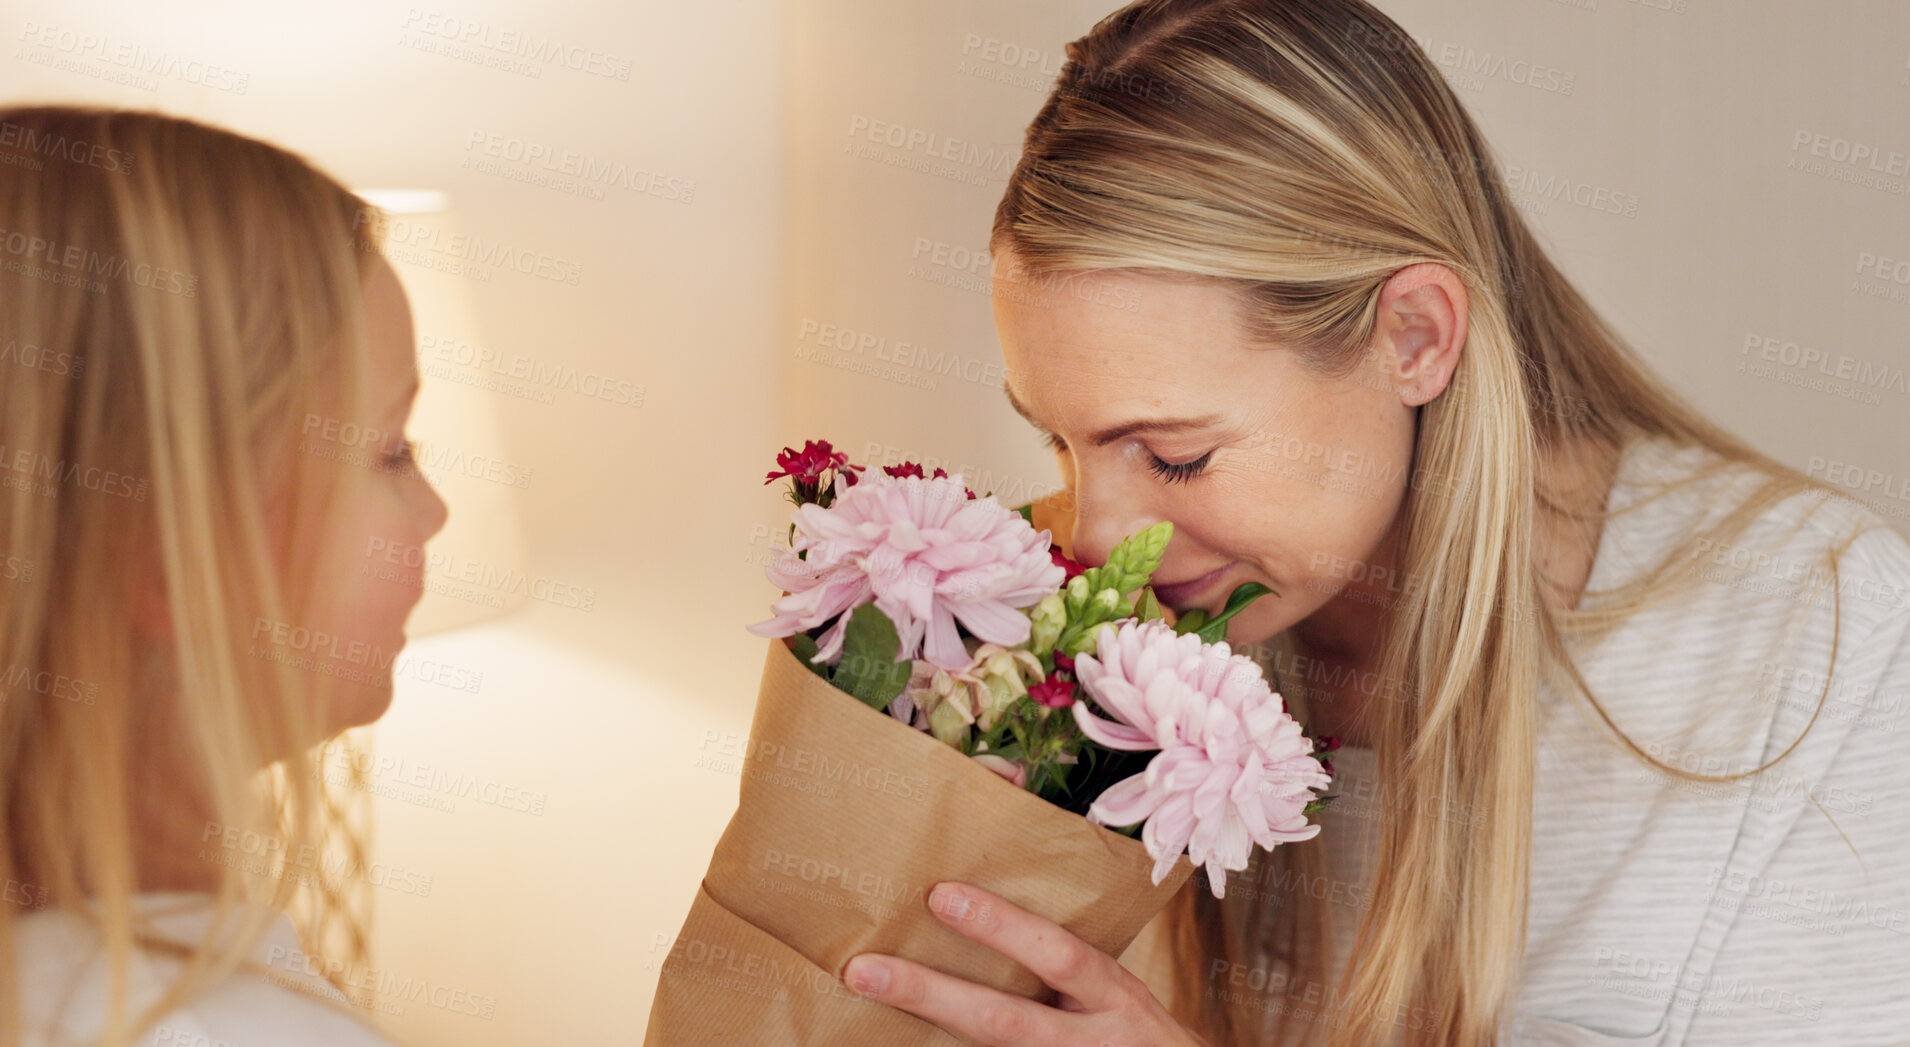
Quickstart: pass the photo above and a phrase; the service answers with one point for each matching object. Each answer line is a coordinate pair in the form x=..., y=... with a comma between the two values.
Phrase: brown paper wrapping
x=847, y=818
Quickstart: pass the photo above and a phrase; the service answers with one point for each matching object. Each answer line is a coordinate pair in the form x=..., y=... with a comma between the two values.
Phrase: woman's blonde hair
x=178, y=299
x=1301, y=152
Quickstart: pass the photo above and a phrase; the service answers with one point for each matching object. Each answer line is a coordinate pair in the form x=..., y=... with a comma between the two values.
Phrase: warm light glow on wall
x=477, y=566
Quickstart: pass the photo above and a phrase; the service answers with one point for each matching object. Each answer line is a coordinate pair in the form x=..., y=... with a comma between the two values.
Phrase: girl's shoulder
x=278, y=998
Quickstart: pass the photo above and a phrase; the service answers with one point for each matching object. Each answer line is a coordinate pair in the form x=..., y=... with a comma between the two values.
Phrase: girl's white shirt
x=64, y=980
x=1669, y=913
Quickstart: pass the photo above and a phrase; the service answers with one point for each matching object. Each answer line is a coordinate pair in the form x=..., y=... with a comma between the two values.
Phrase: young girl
x=205, y=372
x=1623, y=698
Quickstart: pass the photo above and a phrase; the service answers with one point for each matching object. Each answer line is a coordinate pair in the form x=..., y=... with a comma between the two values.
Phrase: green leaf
x=1244, y=594
x=1147, y=607
x=1027, y=512
x=868, y=669
x=1215, y=629
x=804, y=647
x=1058, y=776
x=1190, y=622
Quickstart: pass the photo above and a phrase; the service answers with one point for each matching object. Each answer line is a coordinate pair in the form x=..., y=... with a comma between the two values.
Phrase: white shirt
x=64, y=978
x=1667, y=913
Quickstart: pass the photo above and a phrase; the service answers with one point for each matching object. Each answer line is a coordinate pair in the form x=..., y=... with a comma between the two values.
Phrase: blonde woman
x=207, y=372
x=1623, y=700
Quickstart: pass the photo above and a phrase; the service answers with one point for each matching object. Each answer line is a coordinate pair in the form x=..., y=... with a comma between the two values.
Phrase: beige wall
x=1707, y=223
x=1661, y=154
x=530, y=848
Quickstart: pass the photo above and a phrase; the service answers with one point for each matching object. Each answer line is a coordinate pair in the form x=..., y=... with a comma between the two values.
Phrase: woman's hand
x=1101, y=1003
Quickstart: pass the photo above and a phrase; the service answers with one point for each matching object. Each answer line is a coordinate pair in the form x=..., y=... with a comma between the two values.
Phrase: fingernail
x=867, y=976
x=948, y=902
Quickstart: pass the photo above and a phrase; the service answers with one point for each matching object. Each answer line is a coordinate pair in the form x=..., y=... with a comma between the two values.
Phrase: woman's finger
x=962, y=1007
x=1063, y=961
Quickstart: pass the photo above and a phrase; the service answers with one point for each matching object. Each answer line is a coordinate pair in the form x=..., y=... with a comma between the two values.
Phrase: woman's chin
x=359, y=703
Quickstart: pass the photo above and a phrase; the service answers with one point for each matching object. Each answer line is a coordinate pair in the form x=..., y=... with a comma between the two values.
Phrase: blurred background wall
x=724, y=228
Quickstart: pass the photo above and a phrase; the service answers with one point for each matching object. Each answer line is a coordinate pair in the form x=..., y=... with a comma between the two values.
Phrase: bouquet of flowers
x=1096, y=713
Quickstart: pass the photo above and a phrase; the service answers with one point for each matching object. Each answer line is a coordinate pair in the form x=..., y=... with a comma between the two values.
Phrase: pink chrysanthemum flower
x=927, y=554
x=1234, y=769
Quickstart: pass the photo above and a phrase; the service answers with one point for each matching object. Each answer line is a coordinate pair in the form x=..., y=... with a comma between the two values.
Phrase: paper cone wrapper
x=847, y=819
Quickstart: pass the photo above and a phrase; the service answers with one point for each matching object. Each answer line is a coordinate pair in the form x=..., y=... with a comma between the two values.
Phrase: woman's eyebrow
x=1108, y=436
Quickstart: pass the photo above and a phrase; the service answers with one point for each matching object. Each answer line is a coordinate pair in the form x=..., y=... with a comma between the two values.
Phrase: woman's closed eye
x=405, y=456
x=1171, y=472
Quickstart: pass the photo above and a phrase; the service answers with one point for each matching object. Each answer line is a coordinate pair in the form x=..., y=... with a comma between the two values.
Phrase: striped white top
x=284, y=1002
x=1669, y=913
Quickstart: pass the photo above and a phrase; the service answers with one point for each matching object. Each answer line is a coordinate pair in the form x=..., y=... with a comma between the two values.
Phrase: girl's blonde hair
x=178, y=301
x=1301, y=152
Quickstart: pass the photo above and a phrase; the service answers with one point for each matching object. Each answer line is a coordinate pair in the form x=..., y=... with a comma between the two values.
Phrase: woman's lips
x=1181, y=595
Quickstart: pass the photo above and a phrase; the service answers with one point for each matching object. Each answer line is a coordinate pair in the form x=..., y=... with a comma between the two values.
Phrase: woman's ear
x=1421, y=329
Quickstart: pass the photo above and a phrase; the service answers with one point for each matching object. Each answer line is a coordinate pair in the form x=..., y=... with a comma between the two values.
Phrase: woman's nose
x=440, y=511
x=1102, y=520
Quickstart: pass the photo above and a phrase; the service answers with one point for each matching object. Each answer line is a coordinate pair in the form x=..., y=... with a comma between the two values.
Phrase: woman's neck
x=1345, y=633
x=1345, y=630
x=178, y=843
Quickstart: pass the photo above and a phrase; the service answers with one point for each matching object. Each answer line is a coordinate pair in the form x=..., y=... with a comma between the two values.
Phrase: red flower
x=1054, y=553
x=1326, y=743
x=805, y=470
x=912, y=469
x=1054, y=692
x=1064, y=662
x=807, y=466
